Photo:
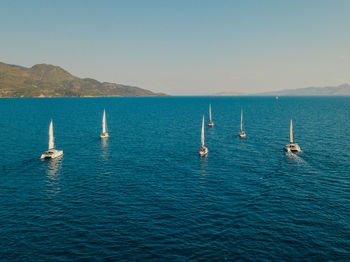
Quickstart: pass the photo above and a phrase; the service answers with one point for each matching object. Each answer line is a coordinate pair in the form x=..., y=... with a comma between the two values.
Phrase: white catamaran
x=292, y=147
x=51, y=152
x=211, y=124
x=242, y=133
x=203, y=150
x=104, y=126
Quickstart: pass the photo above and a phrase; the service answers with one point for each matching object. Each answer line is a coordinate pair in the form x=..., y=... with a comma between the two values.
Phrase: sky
x=184, y=47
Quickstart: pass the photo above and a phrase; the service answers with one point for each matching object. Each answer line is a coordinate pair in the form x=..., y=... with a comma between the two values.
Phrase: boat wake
x=295, y=157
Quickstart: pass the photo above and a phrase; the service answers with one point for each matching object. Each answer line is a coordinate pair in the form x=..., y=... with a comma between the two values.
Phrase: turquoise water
x=145, y=194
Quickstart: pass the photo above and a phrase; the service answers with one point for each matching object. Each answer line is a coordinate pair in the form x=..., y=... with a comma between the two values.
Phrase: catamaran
x=292, y=147
x=203, y=150
x=51, y=152
x=104, y=126
x=211, y=124
x=242, y=133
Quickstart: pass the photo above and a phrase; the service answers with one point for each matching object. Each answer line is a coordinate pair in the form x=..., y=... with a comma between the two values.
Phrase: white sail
x=210, y=113
x=291, y=131
x=51, y=138
x=104, y=126
x=241, y=120
x=202, y=136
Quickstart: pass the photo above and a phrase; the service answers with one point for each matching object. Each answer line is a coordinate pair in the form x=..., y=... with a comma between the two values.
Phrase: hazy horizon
x=184, y=47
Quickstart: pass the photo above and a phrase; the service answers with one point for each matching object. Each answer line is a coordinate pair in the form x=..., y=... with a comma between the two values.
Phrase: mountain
x=341, y=90
x=229, y=94
x=44, y=80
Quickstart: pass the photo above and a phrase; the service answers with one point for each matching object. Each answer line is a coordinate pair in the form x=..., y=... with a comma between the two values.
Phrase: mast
x=104, y=122
x=241, y=120
x=202, y=136
x=291, y=134
x=51, y=138
x=209, y=113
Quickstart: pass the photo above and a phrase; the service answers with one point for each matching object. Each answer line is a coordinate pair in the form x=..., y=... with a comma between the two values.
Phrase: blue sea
x=145, y=194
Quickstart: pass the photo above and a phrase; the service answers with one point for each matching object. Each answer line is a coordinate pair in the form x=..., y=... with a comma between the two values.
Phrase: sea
x=145, y=194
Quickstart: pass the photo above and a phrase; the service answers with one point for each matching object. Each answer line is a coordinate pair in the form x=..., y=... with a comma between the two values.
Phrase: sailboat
x=203, y=150
x=242, y=133
x=51, y=152
x=211, y=124
x=292, y=147
x=104, y=126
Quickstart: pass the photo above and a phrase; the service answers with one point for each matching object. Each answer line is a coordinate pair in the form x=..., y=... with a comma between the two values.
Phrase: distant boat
x=203, y=150
x=242, y=134
x=211, y=124
x=51, y=152
x=277, y=97
x=104, y=133
x=292, y=147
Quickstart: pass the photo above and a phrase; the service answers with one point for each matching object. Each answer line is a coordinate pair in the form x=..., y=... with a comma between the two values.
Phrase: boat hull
x=203, y=151
x=104, y=135
x=51, y=153
x=295, y=148
x=242, y=134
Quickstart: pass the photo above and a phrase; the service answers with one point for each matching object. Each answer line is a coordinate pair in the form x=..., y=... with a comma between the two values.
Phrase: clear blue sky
x=184, y=47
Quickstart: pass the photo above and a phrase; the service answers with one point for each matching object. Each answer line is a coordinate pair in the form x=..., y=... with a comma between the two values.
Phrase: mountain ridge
x=340, y=90
x=46, y=80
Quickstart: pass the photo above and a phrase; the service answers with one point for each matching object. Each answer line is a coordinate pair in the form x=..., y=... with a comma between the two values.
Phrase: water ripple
x=145, y=194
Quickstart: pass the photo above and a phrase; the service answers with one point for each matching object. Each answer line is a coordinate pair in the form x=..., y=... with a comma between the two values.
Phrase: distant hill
x=44, y=80
x=341, y=90
x=229, y=94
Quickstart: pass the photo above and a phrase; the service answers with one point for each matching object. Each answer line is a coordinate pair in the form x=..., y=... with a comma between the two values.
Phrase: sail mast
x=241, y=120
x=210, y=113
x=291, y=135
x=202, y=136
x=51, y=138
x=104, y=122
